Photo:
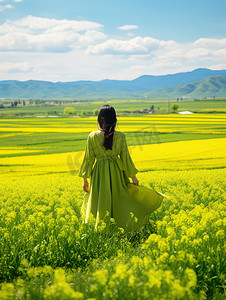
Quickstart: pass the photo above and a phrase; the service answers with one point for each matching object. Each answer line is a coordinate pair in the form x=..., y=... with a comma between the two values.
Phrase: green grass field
x=123, y=107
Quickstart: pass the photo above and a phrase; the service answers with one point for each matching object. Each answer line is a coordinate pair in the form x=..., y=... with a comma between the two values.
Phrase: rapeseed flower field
x=46, y=251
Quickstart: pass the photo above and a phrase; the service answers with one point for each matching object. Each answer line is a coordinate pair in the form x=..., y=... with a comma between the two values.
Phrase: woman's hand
x=85, y=186
x=135, y=180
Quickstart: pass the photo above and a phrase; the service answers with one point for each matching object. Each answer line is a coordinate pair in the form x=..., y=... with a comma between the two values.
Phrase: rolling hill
x=148, y=86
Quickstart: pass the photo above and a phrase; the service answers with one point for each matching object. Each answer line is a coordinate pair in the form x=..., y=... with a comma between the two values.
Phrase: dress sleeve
x=130, y=169
x=88, y=160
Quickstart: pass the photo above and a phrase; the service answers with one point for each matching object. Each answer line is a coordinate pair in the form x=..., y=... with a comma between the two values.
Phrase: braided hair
x=107, y=121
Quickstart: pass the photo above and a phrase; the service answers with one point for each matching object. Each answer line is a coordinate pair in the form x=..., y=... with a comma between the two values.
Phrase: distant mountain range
x=197, y=83
x=213, y=86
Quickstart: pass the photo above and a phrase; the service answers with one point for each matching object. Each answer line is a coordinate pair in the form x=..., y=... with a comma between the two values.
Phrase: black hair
x=107, y=121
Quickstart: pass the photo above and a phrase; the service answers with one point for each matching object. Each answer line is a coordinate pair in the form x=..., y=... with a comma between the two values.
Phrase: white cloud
x=135, y=46
x=79, y=50
x=210, y=43
x=128, y=27
x=221, y=53
x=37, y=23
x=15, y=67
x=199, y=53
x=151, y=56
x=212, y=49
x=79, y=65
x=51, y=35
x=70, y=66
x=7, y=6
x=1, y=1
x=220, y=66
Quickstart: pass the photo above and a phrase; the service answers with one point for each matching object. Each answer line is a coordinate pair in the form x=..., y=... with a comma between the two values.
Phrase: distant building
x=186, y=112
x=145, y=111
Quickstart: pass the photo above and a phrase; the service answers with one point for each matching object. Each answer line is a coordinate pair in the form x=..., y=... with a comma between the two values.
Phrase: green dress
x=111, y=193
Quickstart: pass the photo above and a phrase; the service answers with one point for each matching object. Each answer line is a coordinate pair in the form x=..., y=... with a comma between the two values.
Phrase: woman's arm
x=135, y=180
x=88, y=160
x=130, y=169
x=85, y=185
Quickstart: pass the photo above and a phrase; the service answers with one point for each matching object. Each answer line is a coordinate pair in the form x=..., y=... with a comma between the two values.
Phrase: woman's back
x=96, y=139
x=96, y=151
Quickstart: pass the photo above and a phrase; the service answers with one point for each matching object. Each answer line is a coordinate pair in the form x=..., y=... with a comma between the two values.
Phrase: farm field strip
x=124, y=128
x=199, y=153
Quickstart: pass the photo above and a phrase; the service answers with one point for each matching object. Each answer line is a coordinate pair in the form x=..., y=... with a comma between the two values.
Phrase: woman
x=111, y=193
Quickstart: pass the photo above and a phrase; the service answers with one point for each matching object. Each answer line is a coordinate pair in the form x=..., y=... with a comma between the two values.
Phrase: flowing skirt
x=111, y=193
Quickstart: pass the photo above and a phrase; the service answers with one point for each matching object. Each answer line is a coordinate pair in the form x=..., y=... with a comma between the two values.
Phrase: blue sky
x=93, y=40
